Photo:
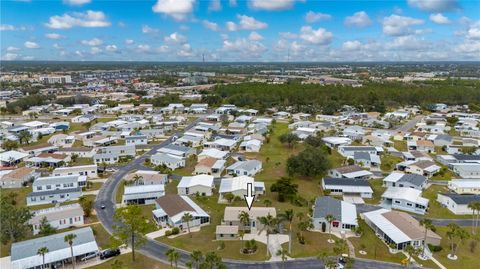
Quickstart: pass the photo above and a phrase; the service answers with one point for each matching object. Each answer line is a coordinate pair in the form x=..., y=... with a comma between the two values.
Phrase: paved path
x=409, y=124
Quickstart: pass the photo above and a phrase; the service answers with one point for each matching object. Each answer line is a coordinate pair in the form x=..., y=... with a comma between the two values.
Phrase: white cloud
x=185, y=51
x=312, y=17
x=9, y=57
x=163, y=49
x=57, y=46
x=358, y=19
x=396, y=25
x=28, y=58
x=352, y=45
x=272, y=5
x=231, y=26
x=9, y=27
x=143, y=48
x=177, y=9
x=54, y=36
x=250, y=23
x=244, y=46
x=215, y=5
x=31, y=45
x=11, y=49
x=317, y=37
x=254, y=36
x=439, y=19
x=76, y=2
x=408, y=42
x=469, y=47
x=92, y=42
x=129, y=41
x=175, y=38
x=89, y=18
x=111, y=48
x=288, y=35
x=210, y=25
x=95, y=50
x=435, y=5
x=473, y=31
x=149, y=30
x=79, y=53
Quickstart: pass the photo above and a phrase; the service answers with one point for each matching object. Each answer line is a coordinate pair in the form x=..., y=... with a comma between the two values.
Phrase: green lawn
x=189, y=167
x=81, y=161
x=388, y=162
x=119, y=194
x=375, y=248
x=444, y=174
x=435, y=209
x=378, y=190
x=141, y=261
x=400, y=145
x=204, y=240
x=467, y=259
x=315, y=243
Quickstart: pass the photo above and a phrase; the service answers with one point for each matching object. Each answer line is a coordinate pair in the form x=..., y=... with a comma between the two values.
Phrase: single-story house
x=82, y=170
x=147, y=177
x=466, y=170
x=201, y=184
x=465, y=186
x=245, y=168
x=136, y=140
x=238, y=187
x=401, y=180
x=349, y=151
x=213, y=153
x=12, y=157
x=344, y=213
x=16, y=178
x=407, y=199
x=46, y=190
x=457, y=203
x=252, y=145
x=399, y=228
x=24, y=254
x=335, y=142
x=231, y=217
x=425, y=168
x=350, y=171
x=210, y=166
x=172, y=207
x=48, y=160
x=171, y=161
x=366, y=159
x=59, y=217
x=341, y=186
x=177, y=150
x=142, y=194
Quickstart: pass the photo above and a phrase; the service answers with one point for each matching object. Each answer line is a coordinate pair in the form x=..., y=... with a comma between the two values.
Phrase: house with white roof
x=349, y=151
x=59, y=217
x=335, y=142
x=407, y=199
x=136, y=140
x=425, y=168
x=112, y=154
x=245, y=168
x=213, y=153
x=142, y=194
x=402, y=180
x=252, y=145
x=222, y=144
x=238, y=187
x=24, y=254
x=172, y=207
x=171, y=161
x=352, y=187
x=399, y=229
x=366, y=159
x=466, y=170
x=201, y=184
x=350, y=171
x=177, y=150
x=82, y=170
x=18, y=177
x=12, y=157
x=465, y=186
x=354, y=132
x=344, y=213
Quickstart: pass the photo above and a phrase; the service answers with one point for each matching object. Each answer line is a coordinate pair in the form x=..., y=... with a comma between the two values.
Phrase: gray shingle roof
x=462, y=199
x=345, y=182
x=327, y=205
x=414, y=179
x=465, y=157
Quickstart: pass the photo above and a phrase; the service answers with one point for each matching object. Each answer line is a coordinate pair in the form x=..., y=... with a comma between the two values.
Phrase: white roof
x=392, y=231
x=144, y=189
x=349, y=213
x=358, y=174
x=202, y=180
x=12, y=155
x=235, y=183
x=215, y=153
x=407, y=194
x=394, y=177
x=225, y=142
x=465, y=183
x=35, y=123
x=335, y=140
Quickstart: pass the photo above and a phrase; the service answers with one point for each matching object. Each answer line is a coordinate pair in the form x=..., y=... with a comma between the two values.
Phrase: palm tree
x=411, y=251
x=42, y=251
x=328, y=262
x=213, y=260
x=268, y=223
x=136, y=179
x=69, y=239
x=288, y=216
x=196, y=258
x=473, y=207
x=303, y=226
x=340, y=247
x=244, y=218
x=24, y=137
x=173, y=256
x=427, y=223
x=330, y=218
x=282, y=252
x=186, y=218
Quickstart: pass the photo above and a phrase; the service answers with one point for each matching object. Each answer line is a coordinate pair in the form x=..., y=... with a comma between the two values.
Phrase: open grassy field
x=388, y=162
x=141, y=261
x=435, y=209
x=315, y=244
x=467, y=259
x=378, y=190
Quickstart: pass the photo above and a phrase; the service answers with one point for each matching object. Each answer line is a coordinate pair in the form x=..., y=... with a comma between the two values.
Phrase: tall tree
x=310, y=162
x=25, y=137
x=42, y=251
x=45, y=228
x=411, y=251
x=289, y=138
x=269, y=223
x=69, y=239
x=196, y=257
x=330, y=218
x=14, y=221
x=283, y=253
x=428, y=225
x=244, y=219
x=286, y=189
x=212, y=261
x=132, y=226
x=173, y=256
x=455, y=235
x=288, y=217
x=187, y=218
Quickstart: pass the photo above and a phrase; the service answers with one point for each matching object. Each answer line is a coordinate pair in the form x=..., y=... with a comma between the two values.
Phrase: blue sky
x=249, y=30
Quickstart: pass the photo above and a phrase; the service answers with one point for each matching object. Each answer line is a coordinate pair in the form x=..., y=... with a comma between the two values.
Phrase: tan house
x=424, y=168
x=17, y=177
x=231, y=217
x=210, y=166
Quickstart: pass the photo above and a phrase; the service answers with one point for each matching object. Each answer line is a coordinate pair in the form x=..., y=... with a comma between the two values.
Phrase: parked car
x=89, y=256
x=109, y=253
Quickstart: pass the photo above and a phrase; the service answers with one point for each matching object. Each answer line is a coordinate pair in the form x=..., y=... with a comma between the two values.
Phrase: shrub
x=434, y=248
x=175, y=230
x=168, y=232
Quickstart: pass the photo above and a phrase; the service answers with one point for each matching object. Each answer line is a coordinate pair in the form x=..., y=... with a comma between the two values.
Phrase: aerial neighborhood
x=126, y=167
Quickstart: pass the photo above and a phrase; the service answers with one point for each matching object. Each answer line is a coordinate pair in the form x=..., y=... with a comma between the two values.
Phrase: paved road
x=157, y=250
x=409, y=124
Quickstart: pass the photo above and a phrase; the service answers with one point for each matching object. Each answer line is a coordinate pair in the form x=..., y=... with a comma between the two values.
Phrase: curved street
x=157, y=250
